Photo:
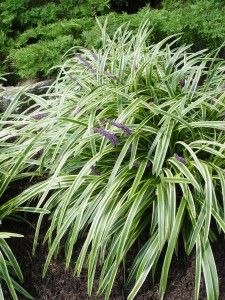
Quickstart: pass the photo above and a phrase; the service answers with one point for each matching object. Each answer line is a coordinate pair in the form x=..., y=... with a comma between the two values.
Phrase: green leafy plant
x=13, y=168
x=41, y=15
x=36, y=17
x=37, y=50
x=9, y=268
x=198, y=21
x=26, y=22
x=131, y=137
x=37, y=59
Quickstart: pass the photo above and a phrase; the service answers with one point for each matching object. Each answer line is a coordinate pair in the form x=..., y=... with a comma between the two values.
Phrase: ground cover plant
x=10, y=272
x=131, y=139
x=10, y=173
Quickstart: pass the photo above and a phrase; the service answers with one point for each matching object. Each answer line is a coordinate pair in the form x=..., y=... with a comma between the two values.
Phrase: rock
x=8, y=94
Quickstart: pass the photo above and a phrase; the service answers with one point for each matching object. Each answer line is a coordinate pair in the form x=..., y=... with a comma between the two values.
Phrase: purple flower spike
x=182, y=83
x=135, y=68
x=108, y=135
x=95, y=171
x=123, y=127
x=85, y=63
x=180, y=159
x=94, y=55
x=136, y=164
x=111, y=76
x=77, y=109
x=40, y=116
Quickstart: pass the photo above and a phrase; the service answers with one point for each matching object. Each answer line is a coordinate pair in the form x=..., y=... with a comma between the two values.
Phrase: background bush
x=26, y=22
x=19, y=16
x=10, y=273
x=37, y=50
x=200, y=23
x=37, y=59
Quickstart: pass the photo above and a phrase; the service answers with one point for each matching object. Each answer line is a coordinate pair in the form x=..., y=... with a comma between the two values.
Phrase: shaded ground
x=61, y=285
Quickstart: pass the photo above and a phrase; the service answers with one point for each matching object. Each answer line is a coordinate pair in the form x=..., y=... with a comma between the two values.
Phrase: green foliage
x=200, y=24
x=36, y=60
x=22, y=14
x=85, y=8
x=171, y=4
x=10, y=12
x=73, y=27
x=131, y=137
x=39, y=49
x=41, y=15
x=9, y=266
x=10, y=272
x=31, y=17
x=25, y=22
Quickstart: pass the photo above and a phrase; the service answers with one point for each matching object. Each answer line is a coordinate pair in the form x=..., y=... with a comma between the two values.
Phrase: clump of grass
x=11, y=171
x=132, y=140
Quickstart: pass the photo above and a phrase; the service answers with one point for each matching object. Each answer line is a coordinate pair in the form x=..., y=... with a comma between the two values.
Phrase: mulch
x=60, y=284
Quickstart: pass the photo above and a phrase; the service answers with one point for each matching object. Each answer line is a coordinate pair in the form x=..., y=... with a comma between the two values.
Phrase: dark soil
x=61, y=285
x=132, y=6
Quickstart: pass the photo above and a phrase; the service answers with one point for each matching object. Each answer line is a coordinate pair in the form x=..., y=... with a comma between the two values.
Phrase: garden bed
x=60, y=284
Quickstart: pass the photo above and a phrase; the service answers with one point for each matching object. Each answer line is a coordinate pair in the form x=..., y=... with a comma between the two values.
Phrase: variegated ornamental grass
x=131, y=138
x=10, y=272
